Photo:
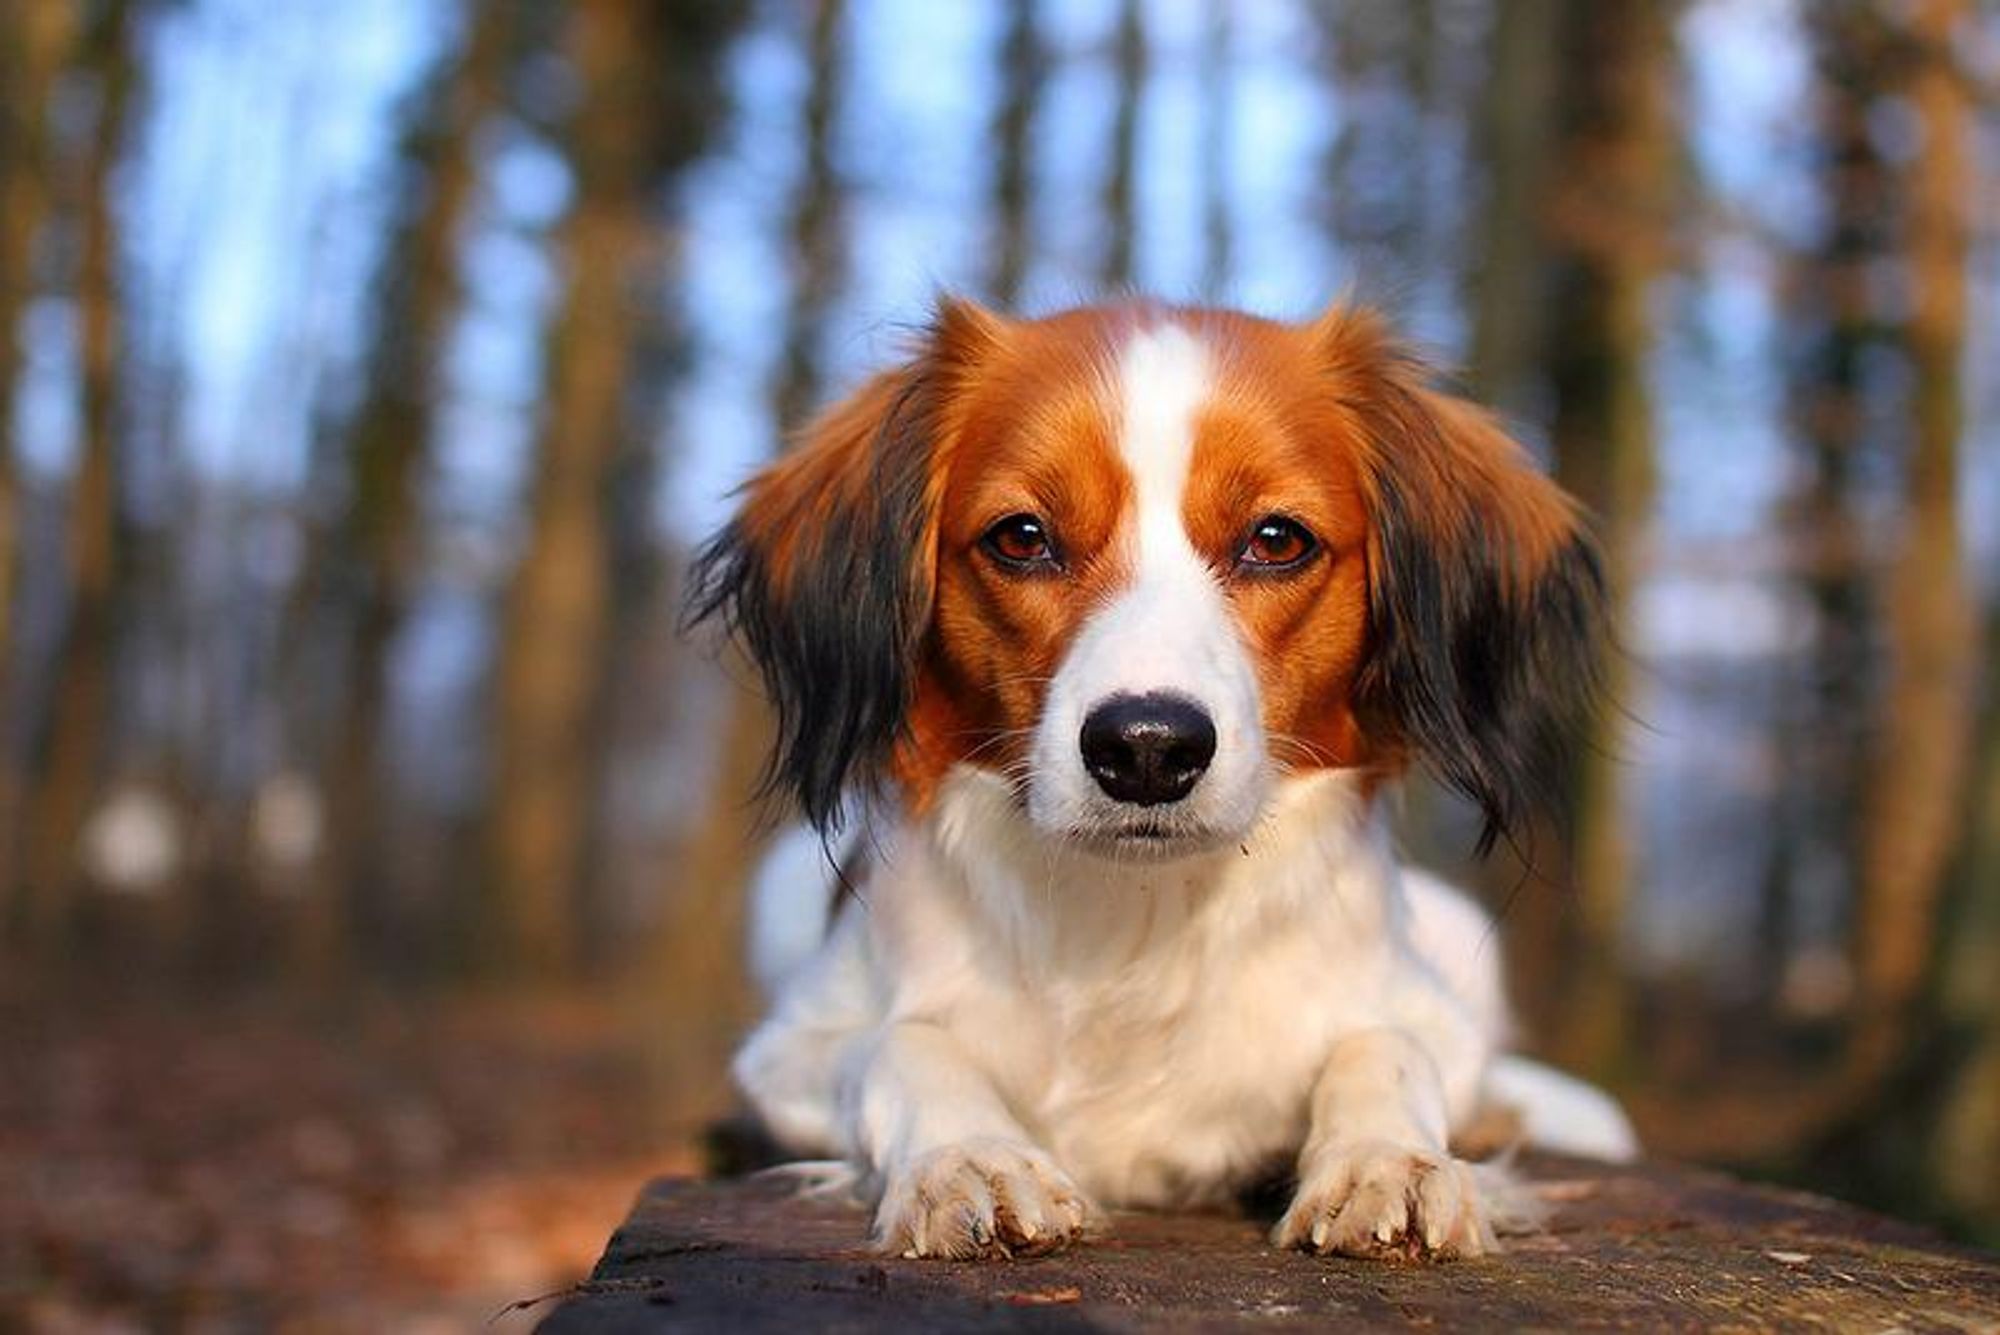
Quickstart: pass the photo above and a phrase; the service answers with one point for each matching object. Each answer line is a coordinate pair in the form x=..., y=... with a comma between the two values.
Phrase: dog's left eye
x=1277, y=543
x=1020, y=541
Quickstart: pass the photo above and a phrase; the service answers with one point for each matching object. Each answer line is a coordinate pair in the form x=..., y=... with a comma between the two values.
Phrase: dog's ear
x=826, y=571
x=1486, y=595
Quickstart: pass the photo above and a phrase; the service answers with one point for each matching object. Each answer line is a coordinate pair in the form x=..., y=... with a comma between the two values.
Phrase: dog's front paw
x=981, y=1198
x=1388, y=1201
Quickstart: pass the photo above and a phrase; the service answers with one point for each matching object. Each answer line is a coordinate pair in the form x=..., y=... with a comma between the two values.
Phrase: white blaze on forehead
x=1163, y=379
x=1168, y=631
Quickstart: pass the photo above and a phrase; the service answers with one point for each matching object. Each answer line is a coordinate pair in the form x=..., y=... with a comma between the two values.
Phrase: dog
x=1117, y=625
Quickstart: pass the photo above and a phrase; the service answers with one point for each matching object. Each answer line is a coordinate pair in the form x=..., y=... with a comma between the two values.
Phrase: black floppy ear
x=1486, y=594
x=826, y=571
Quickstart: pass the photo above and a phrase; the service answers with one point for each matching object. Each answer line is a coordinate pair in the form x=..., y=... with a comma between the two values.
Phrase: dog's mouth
x=1147, y=840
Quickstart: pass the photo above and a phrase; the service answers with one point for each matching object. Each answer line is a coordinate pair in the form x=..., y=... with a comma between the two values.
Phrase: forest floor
x=412, y=1162
x=407, y=1165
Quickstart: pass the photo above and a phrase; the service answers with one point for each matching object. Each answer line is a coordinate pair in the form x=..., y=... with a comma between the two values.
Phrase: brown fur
x=1319, y=422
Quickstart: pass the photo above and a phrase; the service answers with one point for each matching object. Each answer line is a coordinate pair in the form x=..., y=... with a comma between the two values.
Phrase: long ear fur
x=1486, y=596
x=826, y=574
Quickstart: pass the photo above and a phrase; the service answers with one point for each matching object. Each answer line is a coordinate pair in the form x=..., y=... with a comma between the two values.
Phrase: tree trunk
x=555, y=624
x=1965, y=1147
x=816, y=225
x=1579, y=141
x=639, y=669
x=375, y=550
x=1383, y=60
x=33, y=42
x=1023, y=71
x=1218, y=91
x=700, y=943
x=1607, y=222
x=1117, y=270
x=1819, y=719
x=1504, y=289
x=650, y=94
x=1917, y=770
x=70, y=753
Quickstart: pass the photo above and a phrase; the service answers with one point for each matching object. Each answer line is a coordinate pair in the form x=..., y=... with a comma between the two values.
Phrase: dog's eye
x=1020, y=541
x=1277, y=543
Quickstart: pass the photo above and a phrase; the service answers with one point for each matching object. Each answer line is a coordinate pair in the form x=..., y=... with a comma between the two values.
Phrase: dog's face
x=1142, y=562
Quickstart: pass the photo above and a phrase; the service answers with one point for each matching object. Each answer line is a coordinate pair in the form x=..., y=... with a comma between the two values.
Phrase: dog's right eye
x=1020, y=542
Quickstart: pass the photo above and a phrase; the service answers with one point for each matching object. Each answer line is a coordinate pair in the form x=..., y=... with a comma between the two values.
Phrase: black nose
x=1147, y=749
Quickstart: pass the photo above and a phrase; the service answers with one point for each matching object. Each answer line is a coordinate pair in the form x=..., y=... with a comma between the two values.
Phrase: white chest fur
x=1157, y=1026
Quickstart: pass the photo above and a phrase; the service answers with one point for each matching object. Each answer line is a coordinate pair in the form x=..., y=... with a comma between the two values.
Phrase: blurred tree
x=1116, y=270
x=1367, y=50
x=1023, y=72
x=1406, y=73
x=1918, y=750
x=692, y=106
x=1218, y=94
x=632, y=131
x=1964, y=1153
x=815, y=225
x=1612, y=183
x=555, y=624
x=34, y=40
x=1834, y=335
x=720, y=844
x=1897, y=627
x=1515, y=143
x=1595, y=201
x=69, y=751
x=367, y=564
x=1393, y=189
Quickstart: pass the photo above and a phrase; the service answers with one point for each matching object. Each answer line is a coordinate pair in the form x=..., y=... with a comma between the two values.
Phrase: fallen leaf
x=1043, y=1297
x=1566, y=1191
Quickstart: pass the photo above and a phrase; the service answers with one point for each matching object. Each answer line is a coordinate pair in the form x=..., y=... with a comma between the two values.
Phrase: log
x=1646, y=1247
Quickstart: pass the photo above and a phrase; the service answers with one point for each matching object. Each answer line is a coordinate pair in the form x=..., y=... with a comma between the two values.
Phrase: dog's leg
x=1375, y=1176
x=960, y=1176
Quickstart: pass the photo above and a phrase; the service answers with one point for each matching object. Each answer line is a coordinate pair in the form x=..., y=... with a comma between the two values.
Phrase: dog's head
x=1145, y=561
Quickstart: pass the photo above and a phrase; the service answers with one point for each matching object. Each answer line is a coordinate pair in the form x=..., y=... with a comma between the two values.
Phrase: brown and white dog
x=1120, y=621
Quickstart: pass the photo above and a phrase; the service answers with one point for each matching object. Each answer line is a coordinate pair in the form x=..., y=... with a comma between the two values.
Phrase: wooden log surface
x=1650, y=1247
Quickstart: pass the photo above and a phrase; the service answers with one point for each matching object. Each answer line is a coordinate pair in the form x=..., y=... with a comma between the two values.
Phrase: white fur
x=1169, y=631
x=1142, y=1033
x=1559, y=1112
x=1024, y=1016
x=790, y=898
